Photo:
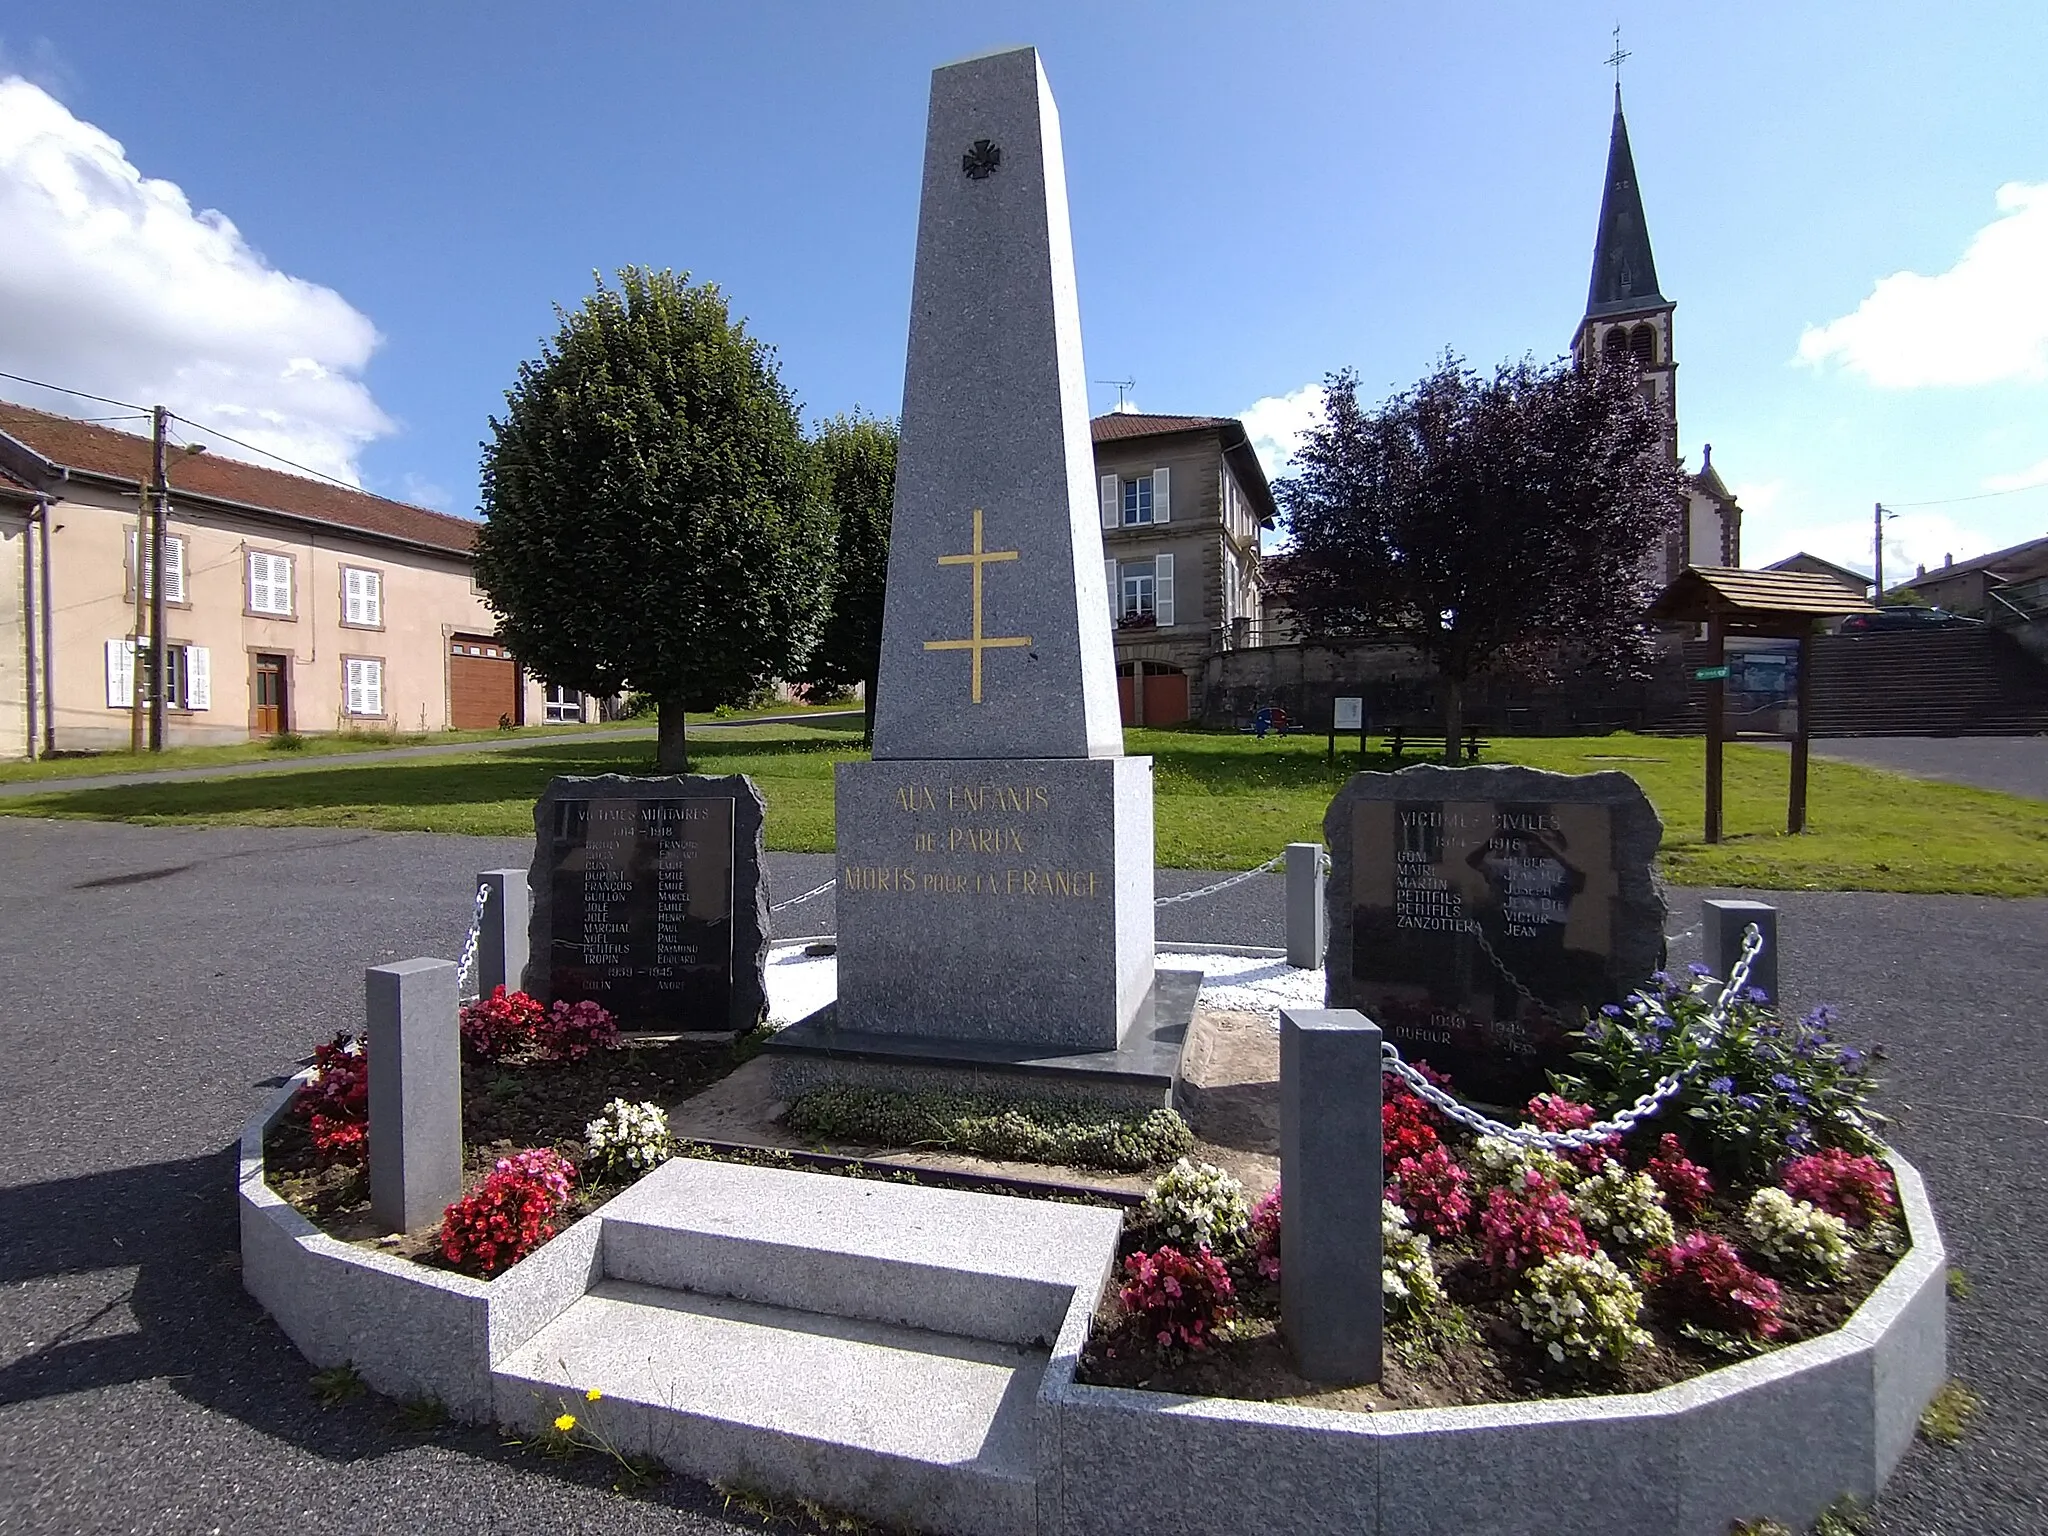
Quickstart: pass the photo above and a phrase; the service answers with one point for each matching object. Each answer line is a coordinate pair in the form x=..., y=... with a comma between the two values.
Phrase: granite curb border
x=1780, y=1436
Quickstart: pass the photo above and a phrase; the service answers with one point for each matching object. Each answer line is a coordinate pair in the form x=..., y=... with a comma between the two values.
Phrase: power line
x=1951, y=501
x=140, y=410
x=303, y=469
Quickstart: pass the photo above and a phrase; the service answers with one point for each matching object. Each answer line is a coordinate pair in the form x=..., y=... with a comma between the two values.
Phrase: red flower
x=1434, y=1191
x=1701, y=1279
x=504, y=1021
x=1684, y=1182
x=1176, y=1298
x=1554, y=1112
x=571, y=1031
x=509, y=1215
x=1857, y=1189
x=1522, y=1225
x=335, y=1100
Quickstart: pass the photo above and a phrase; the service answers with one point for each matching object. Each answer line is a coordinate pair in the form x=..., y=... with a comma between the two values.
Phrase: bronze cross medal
x=976, y=642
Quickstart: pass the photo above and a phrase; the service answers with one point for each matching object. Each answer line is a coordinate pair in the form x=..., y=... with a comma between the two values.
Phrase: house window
x=270, y=584
x=1138, y=602
x=564, y=703
x=362, y=598
x=187, y=670
x=364, y=686
x=1137, y=501
x=174, y=568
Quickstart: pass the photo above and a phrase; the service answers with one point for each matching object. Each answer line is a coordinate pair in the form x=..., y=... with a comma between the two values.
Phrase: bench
x=1399, y=742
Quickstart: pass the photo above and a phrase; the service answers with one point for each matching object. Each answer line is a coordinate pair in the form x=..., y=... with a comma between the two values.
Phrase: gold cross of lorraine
x=976, y=642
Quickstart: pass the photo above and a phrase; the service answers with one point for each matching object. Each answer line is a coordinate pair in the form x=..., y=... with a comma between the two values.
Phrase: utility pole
x=1877, y=522
x=159, y=548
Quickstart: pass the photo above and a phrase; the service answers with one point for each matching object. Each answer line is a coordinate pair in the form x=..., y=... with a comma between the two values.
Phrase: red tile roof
x=1120, y=424
x=92, y=449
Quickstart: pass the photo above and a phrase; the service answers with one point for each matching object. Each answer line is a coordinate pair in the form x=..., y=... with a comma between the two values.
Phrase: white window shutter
x=373, y=677
x=352, y=600
x=1162, y=497
x=1109, y=580
x=137, y=581
x=1162, y=589
x=281, y=579
x=174, y=570
x=373, y=600
x=1112, y=502
x=198, y=678
x=120, y=674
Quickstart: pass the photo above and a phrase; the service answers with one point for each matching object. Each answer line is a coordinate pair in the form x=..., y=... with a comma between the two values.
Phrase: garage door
x=483, y=683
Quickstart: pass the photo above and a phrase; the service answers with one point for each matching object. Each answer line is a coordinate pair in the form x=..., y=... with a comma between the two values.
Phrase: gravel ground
x=157, y=982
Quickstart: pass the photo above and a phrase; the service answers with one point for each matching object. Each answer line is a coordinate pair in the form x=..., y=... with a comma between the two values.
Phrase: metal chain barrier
x=818, y=890
x=465, y=968
x=1586, y=1136
x=1501, y=965
x=1221, y=885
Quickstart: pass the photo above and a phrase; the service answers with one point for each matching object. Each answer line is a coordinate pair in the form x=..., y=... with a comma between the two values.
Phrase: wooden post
x=1795, y=809
x=1717, y=715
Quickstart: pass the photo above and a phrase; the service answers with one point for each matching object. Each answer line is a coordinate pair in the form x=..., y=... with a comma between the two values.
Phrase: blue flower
x=1800, y=1137
x=1784, y=1082
x=1612, y=1010
x=1849, y=1056
x=1821, y=1019
x=1798, y=1100
x=1662, y=979
x=1722, y=1086
x=1698, y=970
x=1754, y=995
x=1746, y=1100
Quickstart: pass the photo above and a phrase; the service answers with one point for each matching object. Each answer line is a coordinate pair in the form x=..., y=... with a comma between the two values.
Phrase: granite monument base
x=1143, y=1072
x=1007, y=902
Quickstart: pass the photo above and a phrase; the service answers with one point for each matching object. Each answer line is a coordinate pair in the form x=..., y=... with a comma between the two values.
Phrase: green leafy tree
x=855, y=461
x=1501, y=523
x=651, y=519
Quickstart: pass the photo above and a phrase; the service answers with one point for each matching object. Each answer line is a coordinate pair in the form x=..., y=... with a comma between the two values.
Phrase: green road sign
x=1710, y=674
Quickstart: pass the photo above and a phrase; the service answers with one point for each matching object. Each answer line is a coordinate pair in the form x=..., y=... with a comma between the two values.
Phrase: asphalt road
x=156, y=982
x=2017, y=765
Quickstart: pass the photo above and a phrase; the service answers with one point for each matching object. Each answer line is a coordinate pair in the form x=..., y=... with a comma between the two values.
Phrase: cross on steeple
x=1615, y=59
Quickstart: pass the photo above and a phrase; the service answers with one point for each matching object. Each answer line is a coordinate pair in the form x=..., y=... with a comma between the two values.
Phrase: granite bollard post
x=1722, y=923
x=1305, y=918
x=1330, y=1170
x=501, y=936
x=415, y=1091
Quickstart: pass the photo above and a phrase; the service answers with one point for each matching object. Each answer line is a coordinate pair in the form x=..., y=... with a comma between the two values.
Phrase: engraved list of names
x=642, y=897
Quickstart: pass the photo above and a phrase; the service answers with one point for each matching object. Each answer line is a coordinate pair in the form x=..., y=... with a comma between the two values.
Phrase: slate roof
x=123, y=459
x=2013, y=563
x=1703, y=589
x=1624, y=271
x=1789, y=564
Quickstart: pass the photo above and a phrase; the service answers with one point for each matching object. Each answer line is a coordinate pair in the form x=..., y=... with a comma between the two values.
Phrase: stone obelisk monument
x=995, y=858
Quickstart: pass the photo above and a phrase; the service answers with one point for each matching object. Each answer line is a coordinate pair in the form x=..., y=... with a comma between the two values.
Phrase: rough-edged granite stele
x=1476, y=913
x=995, y=859
x=648, y=897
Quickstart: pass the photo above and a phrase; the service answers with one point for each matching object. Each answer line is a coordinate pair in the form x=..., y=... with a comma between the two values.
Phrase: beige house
x=292, y=604
x=1183, y=499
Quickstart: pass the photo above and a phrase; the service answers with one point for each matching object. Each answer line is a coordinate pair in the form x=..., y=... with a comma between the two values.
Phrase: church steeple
x=1624, y=271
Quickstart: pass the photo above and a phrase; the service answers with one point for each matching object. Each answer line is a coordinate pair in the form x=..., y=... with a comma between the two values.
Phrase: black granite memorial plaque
x=647, y=899
x=1481, y=918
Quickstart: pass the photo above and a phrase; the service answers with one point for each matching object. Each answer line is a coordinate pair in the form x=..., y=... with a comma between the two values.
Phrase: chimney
x=1947, y=561
x=1919, y=573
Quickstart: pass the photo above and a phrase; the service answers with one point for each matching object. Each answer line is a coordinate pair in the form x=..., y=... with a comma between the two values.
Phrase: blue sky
x=336, y=231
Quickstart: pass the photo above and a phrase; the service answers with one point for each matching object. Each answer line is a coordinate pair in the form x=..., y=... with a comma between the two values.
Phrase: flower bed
x=558, y=1114
x=1752, y=1214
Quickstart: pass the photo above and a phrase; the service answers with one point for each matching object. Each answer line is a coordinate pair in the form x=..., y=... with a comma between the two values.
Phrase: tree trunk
x=671, y=737
x=867, y=729
x=1454, y=721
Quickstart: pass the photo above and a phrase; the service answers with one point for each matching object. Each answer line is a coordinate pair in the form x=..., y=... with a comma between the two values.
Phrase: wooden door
x=483, y=684
x=271, y=714
x=1166, y=697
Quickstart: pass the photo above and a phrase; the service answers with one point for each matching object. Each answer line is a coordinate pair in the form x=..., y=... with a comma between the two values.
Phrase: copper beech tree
x=651, y=517
x=1495, y=524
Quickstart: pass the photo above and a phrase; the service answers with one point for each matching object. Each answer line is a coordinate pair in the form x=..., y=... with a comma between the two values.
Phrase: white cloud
x=111, y=282
x=422, y=492
x=1277, y=424
x=1911, y=540
x=2024, y=480
x=1984, y=321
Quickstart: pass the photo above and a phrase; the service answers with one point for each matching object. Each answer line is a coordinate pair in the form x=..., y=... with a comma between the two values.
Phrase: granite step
x=991, y=1267
x=896, y=1424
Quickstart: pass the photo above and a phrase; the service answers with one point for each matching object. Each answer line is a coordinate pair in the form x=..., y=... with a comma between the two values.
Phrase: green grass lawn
x=334, y=743
x=1223, y=802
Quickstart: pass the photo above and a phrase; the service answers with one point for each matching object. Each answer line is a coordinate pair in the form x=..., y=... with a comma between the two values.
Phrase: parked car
x=1904, y=616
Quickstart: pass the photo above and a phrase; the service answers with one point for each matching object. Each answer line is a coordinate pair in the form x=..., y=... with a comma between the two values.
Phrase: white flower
x=1794, y=1237
x=1200, y=1203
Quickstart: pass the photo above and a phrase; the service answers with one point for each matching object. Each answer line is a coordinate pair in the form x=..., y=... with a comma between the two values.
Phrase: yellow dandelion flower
x=592, y=1395
x=566, y=1423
